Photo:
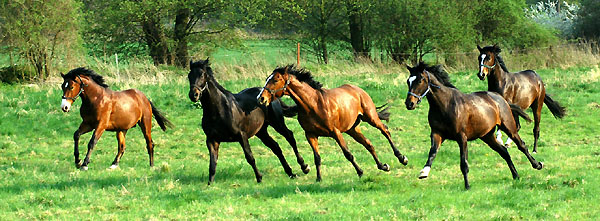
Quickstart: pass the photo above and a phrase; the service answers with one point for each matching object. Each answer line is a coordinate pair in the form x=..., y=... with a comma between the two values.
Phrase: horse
x=329, y=112
x=524, y=88
x=463, y=117
x=228, y=117
x=103, y=109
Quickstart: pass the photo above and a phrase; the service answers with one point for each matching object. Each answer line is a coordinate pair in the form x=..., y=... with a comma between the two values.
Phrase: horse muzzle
x=410, y=105
x=65, y=106
x=263, y=101
x=194, y=95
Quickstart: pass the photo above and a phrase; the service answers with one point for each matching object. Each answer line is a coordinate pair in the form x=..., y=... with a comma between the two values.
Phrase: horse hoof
x=112, y=167
x=78, y=164
x=258, y=179
x=385, y=167
x=424, y=173
x=360, y=173
x=318, y=179
x=293, y=176
x=306, y=169
x=404, y=160
x=84, y=168
x=541, y=166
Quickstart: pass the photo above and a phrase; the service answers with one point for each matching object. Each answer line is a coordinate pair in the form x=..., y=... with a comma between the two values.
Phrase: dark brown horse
x=105, y=110
x=463, y=117
x=328, y=112
x=228, y=117
x=524, y=88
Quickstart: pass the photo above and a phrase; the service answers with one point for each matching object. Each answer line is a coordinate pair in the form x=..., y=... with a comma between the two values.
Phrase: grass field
x=40, y=181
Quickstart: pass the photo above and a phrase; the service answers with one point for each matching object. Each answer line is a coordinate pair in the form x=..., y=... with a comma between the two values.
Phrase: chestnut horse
x=329, y=112
x=463, y=117
x=524, y=88
x=228, y=117
x=105, y=110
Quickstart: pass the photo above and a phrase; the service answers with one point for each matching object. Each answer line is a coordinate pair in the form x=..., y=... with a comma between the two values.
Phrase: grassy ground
x=40, y=181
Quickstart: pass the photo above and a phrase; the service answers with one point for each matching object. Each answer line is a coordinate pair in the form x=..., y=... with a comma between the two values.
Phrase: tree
x=39, y=30
x=588, y=24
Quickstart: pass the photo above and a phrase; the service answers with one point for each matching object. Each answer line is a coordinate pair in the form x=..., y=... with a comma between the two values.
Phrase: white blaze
x=263, y=88
x=481, y=65
x=410, y=80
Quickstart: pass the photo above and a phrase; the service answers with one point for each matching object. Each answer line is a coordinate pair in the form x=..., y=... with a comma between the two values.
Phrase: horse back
x=127, y=109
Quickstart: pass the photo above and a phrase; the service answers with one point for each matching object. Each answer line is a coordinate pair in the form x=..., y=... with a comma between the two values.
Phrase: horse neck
x=92, y=92
x=212, y=97
x=439, y=98
x=306, y=97
x=496, y=79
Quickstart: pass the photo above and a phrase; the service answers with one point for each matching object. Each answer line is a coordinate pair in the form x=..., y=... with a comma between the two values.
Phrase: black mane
x=496, y=51
x=438, y=71
x=86, y=72
x=301, y=74
x=204, y=64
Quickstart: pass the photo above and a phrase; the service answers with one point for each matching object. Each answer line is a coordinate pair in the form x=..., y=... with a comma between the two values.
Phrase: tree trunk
x=357, y=35
x=156, y=40
x=180, y=36
x=323, y=48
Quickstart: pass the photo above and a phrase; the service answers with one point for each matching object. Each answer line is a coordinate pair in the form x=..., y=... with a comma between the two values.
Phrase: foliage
x=588, y=24
x=40, y=31
x=547, y=13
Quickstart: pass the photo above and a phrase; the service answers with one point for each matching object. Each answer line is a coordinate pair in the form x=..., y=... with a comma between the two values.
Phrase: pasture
x=40, y=181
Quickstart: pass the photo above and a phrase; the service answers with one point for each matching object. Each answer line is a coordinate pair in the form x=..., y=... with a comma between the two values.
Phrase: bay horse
x=523, y=88
x=463, y=117
x=103, y=109
x=228, y=117
x=328, y=112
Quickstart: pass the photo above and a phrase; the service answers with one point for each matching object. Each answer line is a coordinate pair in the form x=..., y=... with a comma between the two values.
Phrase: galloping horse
x=237, y=117
x=105, y=110
x=524, y=88
x=328, y=112
x=463, y=117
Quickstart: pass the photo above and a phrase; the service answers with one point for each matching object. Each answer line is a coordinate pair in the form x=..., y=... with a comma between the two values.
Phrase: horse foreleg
x=95, y=137
x=121, y=148
x=289, y=136
x=342, y=143
x=436, y=142
x=314, y=144
x=250, y=157
x=464, y=156
x=83, y=128
x=213, y=150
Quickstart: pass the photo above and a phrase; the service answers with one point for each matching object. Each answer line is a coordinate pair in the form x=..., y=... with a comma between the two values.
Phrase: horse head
x=198, y=77
x=487, y=60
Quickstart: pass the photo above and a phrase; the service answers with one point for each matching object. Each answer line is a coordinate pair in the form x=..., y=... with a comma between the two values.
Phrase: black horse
x=523, y=88
x=463, y=117
x=237, y=117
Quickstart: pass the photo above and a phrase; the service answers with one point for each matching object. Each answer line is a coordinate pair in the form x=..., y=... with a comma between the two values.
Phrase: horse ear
x=191, y=62
x=62, y=75
x=497, y=49
x=479, y=48
x=408, y=67
x=206, y=61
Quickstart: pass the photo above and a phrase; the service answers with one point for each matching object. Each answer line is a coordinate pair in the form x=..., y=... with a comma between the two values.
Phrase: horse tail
x=160, y=118
x=383, y=114
x=289, y=111
x=557, y=110
x=517, y=111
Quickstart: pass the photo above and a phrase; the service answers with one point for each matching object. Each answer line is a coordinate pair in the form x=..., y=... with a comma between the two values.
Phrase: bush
x=16, y=74
x=588, y=24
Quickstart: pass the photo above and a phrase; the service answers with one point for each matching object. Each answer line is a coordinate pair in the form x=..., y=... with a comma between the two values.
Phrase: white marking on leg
x=84, y=168
x=65, y=105
x=410, y=80
x=425, y=172
x=113, y=167
x=508, y=141
x=499, y=137
x=263, y=88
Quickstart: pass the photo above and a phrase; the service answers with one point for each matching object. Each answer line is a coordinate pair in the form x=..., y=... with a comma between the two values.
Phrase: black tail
x=557, y=110
x=160, y=118
x=289, y=111
x=517, y=111
x=383, y=114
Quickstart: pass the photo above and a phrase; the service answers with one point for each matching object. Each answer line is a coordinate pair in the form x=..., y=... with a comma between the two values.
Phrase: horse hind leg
x=146, y=127
x=511, y=131
x=121, y=148
x=537, y=117
x=372, y=119
x=264, y=136
x=500, y=149
x=355, y=133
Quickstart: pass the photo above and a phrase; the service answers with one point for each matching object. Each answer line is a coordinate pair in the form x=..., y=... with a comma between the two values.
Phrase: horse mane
x=301, y=74
x=86, y=72
x=438, y=71
x=496, y=51
x=204, y=64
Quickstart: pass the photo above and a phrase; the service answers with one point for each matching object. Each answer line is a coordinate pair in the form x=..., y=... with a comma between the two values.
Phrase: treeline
x=43, y=34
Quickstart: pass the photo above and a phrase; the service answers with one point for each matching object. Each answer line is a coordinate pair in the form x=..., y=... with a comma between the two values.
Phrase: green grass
x=40, y=181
